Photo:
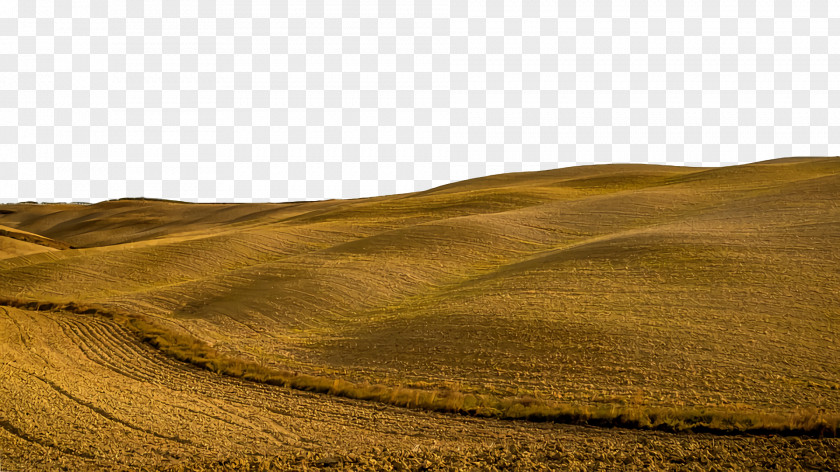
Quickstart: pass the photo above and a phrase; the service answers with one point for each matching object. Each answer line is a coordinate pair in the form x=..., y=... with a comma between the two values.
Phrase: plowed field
x=710, y=294
x=81, y=392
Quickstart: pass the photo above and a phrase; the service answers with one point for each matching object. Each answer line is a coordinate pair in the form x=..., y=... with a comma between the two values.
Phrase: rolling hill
x=646, y=296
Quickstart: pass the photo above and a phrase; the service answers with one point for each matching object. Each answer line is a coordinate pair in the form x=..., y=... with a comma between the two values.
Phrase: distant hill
x=666, y=286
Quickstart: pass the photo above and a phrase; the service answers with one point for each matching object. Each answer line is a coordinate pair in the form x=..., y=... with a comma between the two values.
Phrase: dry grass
x=185, y=348
x=643, y=294
x=806, y=422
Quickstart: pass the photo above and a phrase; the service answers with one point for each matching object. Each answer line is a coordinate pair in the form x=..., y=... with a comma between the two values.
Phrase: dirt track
x=81, y=392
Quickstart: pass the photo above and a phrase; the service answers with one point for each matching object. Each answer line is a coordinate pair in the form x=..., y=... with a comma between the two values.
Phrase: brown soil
x=81, y=392
x=619, y=286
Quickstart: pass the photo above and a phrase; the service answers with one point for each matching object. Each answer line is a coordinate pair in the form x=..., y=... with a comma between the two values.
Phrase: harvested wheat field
x=598, y=317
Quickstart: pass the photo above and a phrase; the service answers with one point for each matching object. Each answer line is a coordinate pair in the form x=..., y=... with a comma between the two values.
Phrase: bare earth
x=86, y=394
x=625, y=285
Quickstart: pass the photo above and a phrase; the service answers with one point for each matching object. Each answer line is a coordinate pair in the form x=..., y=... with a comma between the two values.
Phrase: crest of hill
x=15, y=242
x=11, y=247
x=131, y=220
x=605, y=279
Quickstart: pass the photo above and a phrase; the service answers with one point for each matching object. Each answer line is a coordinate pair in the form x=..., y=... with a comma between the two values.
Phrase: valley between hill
x=648, y=297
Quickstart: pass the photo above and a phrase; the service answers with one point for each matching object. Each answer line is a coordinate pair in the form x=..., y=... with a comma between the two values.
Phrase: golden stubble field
x=152, y=334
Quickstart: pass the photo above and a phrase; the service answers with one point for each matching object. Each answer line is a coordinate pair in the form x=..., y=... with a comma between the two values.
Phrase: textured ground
x=622, y=284
x=80, y=392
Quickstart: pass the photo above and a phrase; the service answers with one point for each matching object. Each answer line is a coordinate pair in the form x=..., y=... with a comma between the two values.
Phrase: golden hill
x=14, y=242
x=673, y=285
x=597, y=286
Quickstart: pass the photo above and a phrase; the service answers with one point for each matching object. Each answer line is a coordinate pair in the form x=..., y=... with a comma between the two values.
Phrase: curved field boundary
x=34, y=239
x=817, y=423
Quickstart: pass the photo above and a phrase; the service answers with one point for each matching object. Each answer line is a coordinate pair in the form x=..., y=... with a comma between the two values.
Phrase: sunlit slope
x=81, y=392
x=439, y=228
x=14, y=242
x=131, y=220
x=651, y=284
x=744, y=311
x=11, y=247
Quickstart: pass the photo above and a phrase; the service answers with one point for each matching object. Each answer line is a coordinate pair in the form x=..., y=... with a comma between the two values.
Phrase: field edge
x=810, y=422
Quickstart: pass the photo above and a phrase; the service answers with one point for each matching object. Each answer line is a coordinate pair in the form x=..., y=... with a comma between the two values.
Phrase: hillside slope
x=81, y=393
x=625, y=284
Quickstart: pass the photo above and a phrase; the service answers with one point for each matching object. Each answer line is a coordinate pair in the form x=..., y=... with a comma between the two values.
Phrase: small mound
x=11, y=247
x=32, y=238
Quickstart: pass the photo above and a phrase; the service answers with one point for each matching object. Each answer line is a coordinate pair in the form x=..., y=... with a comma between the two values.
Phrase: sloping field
x=623, y=290
x=11, y=247
x=15, y=243
x=81, y=392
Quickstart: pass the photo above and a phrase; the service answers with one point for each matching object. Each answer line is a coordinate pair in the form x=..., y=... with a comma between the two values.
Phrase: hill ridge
x=611, y=249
